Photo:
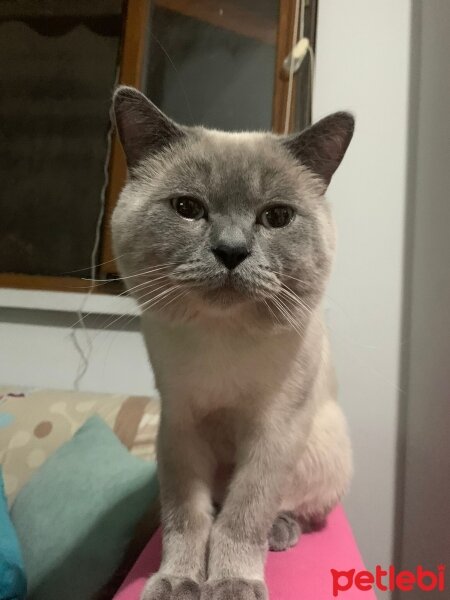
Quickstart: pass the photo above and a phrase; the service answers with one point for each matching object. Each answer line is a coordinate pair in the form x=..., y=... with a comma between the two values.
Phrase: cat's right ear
x=143, y=129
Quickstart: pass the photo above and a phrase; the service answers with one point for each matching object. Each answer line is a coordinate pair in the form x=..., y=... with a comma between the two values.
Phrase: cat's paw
x=285, y=532
x=313, y=523
x=234, y=589
x=168, y=587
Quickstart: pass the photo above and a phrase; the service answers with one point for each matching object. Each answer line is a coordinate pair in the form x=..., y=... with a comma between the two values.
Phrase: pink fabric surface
x=301, y=573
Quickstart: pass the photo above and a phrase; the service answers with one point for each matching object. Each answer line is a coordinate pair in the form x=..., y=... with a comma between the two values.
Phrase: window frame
x=133, y=56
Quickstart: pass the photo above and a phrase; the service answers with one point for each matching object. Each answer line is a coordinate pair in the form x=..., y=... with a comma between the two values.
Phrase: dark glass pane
x=213, y=63
x=57, y=71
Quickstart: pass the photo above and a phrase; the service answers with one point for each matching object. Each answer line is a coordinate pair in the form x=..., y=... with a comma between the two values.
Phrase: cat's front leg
x=238, y=542
x=185, y=468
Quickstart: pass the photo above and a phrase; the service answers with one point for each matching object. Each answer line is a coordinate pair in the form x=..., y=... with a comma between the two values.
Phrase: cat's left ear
x=143, y=129
x=322, y=146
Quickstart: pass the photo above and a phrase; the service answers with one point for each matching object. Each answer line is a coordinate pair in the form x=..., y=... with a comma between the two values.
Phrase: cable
x=302, y=19
x=312, y=71
x=300, y=47
x=291, y=70
x=85, y=355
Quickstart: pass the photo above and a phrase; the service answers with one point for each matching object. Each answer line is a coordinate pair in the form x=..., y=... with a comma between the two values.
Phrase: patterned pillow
x=33, y=424
x=77, y=514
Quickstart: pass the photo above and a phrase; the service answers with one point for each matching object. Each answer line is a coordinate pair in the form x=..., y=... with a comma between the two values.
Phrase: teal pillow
x=76, y=515
x=12, y=575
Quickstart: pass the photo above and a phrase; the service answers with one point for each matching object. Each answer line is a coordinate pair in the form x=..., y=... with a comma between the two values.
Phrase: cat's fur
x=252, y=445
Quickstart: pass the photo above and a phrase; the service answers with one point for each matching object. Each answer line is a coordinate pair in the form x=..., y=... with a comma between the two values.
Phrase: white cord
x=299, y=23
x=302, y=20
x=312, y=70
x=85, y=355
x=291, y=68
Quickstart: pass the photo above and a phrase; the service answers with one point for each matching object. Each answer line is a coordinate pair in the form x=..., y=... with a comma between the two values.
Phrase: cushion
x=303, y=572
x=12, y=575
x=34, y=423
x=77, y=513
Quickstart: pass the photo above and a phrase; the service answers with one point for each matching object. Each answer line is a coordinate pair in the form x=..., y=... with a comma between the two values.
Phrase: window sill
x=67, y=302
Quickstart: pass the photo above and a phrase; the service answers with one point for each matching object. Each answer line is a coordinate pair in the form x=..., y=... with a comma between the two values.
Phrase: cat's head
x=214, y=223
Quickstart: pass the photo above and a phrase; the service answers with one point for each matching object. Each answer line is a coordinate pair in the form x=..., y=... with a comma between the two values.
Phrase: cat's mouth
x=225, y=290
x=232, y=289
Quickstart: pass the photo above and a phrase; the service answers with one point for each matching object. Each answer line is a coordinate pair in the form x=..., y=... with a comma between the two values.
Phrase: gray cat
x=226, y=241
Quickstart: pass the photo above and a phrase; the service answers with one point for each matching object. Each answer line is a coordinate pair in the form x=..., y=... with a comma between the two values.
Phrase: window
x=219, y=63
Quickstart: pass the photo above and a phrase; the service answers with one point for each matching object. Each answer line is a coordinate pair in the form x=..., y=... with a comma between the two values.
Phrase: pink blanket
x=302, y=573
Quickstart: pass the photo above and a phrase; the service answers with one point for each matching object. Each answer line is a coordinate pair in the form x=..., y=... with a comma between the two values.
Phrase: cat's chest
x=206, y=366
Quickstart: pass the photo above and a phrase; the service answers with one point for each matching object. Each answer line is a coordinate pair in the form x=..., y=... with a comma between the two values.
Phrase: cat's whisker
x=127, y=321
x=294, y=319
x=95, y=283
x=151, y=291
x=106, y=262
x=154, y=301
x=181, y=295
x=285, y=311
x=151, y=294
x=100, y=282
x=124, y=293
x=113, y=319
x=296, y=300
x=274, y=315
x=143, y=272
x=143, y=284
x=140, y=273
x=280, y=274
x=305, y=307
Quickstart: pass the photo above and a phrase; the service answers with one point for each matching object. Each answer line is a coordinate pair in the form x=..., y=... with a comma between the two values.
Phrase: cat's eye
x=189, y=208
x=277, y=216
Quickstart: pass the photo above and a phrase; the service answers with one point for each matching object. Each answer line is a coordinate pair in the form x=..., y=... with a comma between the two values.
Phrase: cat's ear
x=322, y=146
x=143, y=128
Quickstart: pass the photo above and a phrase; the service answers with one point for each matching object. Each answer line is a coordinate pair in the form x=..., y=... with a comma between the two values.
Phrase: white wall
x=38, y=349
x=363, y=52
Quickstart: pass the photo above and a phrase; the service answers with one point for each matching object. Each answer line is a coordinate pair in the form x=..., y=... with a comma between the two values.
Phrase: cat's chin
x=231, y=290
x=224, y=298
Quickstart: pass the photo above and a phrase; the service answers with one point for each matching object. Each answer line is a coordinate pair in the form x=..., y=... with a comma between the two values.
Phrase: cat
x=226, y=242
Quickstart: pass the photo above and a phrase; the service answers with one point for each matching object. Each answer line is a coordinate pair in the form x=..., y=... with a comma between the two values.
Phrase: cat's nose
x=230, y=255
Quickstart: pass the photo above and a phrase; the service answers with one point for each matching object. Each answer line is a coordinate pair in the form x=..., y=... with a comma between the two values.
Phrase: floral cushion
x=33, y=424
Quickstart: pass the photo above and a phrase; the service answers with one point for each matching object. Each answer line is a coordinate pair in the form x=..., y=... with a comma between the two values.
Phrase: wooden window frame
x=133, y=52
